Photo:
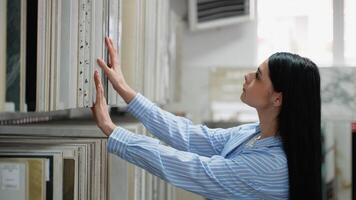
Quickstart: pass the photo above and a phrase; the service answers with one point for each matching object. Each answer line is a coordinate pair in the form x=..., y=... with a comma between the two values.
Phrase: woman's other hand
x=114, y=73
x=100, y=108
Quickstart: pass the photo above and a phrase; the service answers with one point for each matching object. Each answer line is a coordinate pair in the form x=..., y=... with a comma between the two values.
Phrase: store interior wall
x=229, y=46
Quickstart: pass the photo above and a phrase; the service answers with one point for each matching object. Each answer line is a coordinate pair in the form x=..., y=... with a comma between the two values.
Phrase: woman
x=277, y=158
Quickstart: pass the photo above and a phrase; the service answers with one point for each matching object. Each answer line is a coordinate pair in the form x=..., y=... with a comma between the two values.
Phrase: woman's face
x=258, y=90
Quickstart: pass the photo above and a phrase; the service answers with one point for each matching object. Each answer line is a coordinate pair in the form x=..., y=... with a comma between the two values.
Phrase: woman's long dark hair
x=299, y=121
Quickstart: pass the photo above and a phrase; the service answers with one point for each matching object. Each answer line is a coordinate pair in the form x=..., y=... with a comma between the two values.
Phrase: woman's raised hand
x=114, y=73
x=100, y=108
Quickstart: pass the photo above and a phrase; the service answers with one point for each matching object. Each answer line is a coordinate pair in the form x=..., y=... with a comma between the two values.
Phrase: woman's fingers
x=103, y=66
x=93, y=111
x=111, y=42
x=99, y=88
x=110, y=45
x=112, y=52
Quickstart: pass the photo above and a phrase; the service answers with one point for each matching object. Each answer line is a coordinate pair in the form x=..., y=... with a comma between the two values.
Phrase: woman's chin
x=242, y=97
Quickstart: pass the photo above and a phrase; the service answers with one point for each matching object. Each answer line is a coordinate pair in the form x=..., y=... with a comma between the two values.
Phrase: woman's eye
x=256, y=74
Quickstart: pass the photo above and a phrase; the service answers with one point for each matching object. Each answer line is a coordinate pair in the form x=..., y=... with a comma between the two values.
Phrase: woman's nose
x=248, y=77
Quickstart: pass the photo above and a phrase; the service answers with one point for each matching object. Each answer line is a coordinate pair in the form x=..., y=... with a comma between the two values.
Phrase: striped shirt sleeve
x=178, y=132
x=212, y=177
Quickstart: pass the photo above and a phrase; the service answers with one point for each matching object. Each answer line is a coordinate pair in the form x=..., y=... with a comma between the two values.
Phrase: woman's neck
x=268, y=124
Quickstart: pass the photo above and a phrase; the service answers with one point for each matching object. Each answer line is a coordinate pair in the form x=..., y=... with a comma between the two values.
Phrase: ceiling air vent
x=205, y=14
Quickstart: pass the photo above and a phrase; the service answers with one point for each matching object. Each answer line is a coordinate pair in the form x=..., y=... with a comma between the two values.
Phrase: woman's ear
x=277, y=99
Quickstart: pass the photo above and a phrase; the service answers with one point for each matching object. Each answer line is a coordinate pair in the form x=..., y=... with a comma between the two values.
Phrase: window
x=350, y=32
x=303, y=27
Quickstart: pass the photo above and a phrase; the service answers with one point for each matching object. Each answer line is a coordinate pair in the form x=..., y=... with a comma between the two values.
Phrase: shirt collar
x=268, y=141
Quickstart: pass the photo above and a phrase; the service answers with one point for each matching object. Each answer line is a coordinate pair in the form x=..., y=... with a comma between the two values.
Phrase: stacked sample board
x=65, y=168
x=55, y=72
x=69, y=161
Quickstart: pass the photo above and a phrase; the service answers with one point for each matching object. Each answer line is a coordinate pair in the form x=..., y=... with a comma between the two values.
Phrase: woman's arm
x=179, y=132
x=247, y=176
x=176, y=131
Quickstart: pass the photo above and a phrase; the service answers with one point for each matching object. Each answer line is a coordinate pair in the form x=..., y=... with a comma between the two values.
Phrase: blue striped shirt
x=214, y=163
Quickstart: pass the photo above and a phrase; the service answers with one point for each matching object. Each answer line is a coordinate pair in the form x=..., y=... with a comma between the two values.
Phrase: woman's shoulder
x=244, y=131
x=248, y=127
